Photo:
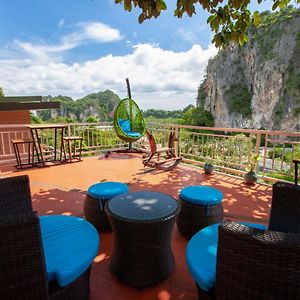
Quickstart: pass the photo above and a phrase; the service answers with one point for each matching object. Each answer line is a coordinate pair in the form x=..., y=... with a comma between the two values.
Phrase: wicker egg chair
x=129, y=123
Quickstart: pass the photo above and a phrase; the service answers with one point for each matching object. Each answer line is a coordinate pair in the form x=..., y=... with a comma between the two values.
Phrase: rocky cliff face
x=257, y=85
x=100, y=105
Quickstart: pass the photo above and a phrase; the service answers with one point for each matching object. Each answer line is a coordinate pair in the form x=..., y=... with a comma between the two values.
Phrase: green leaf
x=127, y=5
x=282, y=4
x=241, y=40
x=256, y=18
x=141, y=18
x=211, y=18
x=275, y=5
x=161, y=5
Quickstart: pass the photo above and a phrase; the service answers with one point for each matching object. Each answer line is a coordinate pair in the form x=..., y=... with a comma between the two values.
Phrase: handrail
x=227, y=148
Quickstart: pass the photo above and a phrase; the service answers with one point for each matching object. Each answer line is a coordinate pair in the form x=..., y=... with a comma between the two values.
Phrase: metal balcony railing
x=229, y=149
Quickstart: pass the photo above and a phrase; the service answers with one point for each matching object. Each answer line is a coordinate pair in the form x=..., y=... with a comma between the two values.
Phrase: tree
x=198, y=117
x=35, y=119
x=228, y=21
x=1, y=92
x=92, y=119
x=188, y=108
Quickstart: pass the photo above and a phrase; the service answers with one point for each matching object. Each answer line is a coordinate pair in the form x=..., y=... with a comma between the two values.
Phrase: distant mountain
x=257, y=85
x=100, y=105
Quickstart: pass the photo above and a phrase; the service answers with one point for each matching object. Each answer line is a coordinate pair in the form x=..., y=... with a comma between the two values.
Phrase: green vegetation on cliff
x=290, y=96
x=99, y=106
x=198, y=117
x=270, y=29
x=258, y=84
x=239, y=99
x=201, y=96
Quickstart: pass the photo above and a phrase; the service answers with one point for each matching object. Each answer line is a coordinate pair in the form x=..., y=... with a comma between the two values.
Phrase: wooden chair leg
x=70, y=150
x=80, y=150
x=33, y=163
x=29, y=156
x=17, y=154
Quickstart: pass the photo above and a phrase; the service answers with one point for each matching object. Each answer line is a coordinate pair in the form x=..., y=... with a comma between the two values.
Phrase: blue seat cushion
x=201, y=255
x=201, y=195
x=70, y=246
x=125, y=125
x=107, y=190
x=134, y=134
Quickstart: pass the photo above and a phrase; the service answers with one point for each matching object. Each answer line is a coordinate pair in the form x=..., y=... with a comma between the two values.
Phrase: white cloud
x=159, y=78
x=61, y=23
x=98, y=32
x=86, y=32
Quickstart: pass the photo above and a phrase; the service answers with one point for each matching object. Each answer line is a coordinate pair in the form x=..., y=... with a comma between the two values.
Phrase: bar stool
x=200, y=206
x=30, y=144
x=69, y=140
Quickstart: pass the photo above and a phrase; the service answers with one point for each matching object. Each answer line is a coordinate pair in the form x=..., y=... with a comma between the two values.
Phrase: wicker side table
x=97, y=195
x=201, y=206
x=142, y=223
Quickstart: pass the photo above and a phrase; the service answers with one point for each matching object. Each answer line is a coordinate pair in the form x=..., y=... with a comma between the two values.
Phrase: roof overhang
x=26, y=103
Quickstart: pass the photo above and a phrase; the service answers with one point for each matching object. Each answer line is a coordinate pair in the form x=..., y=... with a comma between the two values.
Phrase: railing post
x=257, y=146
x=177, y=144
x=69, y=129
x=265, y=155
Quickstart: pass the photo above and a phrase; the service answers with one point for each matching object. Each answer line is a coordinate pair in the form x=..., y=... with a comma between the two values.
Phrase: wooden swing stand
x=163, y=158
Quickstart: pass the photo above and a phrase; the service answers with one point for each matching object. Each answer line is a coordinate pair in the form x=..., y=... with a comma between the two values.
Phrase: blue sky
x=77, y=47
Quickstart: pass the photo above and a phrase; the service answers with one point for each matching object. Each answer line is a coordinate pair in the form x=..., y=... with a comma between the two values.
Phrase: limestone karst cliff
x=257, y=85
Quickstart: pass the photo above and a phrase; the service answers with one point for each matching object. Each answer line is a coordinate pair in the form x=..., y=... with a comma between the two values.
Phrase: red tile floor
x=61, y=189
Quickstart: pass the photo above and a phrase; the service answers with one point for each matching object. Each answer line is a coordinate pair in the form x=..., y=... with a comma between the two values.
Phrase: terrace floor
x=61, y=189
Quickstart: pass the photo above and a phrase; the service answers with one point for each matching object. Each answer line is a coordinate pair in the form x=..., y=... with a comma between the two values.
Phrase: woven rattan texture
x=15, y=195
x=193, y=218
x=142, y=253
x=23, y=273
x=285, y=211
x=256, y=264
x=95, y=215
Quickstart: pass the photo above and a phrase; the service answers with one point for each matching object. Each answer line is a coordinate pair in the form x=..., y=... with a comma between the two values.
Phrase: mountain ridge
x=100, y=105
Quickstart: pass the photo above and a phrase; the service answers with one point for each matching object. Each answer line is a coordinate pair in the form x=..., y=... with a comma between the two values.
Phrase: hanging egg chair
x=129, y=123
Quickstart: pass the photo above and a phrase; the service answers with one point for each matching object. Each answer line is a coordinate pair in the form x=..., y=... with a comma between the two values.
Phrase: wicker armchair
x=261, y=264
x=257, y=264
x=23, y=272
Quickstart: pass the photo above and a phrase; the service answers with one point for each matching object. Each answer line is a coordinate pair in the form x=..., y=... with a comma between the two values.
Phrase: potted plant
x=251, y=177
x=208, y=168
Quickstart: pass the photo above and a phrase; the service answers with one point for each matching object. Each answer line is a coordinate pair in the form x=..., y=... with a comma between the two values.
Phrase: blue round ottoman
x=200, y=206
x=97, y=196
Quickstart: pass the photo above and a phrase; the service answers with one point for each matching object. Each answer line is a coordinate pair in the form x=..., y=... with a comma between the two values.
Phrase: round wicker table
x=142, y=224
